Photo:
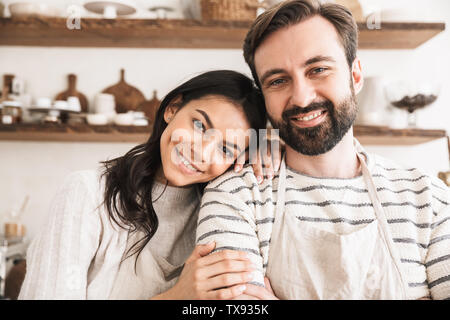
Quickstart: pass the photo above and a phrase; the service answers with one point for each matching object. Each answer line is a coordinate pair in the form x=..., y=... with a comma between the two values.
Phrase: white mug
x=61, y=104
x=104, y=103
x=44, y=102
x=74, y=104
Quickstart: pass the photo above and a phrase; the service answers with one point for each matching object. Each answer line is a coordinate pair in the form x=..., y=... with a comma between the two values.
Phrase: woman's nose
x=208, y=150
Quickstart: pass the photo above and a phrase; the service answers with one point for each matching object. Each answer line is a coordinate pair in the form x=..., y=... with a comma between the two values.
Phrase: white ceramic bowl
x=29, y=9
x=61, y=104
x=124, y=119
x=97, y=119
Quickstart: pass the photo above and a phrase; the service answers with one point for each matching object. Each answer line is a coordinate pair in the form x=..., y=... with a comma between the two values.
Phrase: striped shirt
x=238, y=214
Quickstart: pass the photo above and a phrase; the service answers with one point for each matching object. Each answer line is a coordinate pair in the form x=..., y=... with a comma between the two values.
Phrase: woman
x=127, y=231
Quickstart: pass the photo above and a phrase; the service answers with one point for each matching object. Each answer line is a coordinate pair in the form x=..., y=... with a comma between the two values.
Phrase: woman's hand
x=265, y=161
x=221, y=275
x=258, y=293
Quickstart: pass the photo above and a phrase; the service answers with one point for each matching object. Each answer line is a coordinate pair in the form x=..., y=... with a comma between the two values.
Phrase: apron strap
x=381, y=217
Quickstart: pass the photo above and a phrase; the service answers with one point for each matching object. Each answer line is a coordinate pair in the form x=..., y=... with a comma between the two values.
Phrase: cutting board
x=127, y=97
x=72, y=92
x=150, y=107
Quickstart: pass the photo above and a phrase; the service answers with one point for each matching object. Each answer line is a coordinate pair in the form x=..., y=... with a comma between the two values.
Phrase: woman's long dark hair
x=129, y=179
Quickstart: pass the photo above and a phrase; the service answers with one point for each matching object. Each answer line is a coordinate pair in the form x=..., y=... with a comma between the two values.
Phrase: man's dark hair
x=295, y=11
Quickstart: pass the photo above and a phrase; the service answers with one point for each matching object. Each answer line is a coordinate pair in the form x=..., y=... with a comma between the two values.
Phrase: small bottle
x=13, y=226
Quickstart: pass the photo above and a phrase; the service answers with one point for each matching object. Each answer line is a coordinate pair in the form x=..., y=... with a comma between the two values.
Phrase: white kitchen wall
x=38, y=168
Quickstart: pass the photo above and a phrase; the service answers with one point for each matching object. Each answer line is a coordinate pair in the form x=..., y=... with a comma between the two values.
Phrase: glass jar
x=11, y=112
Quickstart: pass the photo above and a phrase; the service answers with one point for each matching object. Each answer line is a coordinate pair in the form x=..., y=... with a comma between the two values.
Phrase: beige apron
x=308, y=263
x=153, y=275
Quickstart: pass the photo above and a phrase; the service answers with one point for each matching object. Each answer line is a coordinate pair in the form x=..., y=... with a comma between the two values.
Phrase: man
x=336, y=222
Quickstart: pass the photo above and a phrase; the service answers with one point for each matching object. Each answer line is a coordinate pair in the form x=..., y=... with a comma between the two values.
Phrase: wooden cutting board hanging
x=150, y=107
x=127, y=97
x=72, y=92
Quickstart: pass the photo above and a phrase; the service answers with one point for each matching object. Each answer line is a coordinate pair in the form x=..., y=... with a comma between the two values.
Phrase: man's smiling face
x=307, y=84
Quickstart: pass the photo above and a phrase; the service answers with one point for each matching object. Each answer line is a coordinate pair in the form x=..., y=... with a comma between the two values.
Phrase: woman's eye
x=198, y=125
x=227, y=152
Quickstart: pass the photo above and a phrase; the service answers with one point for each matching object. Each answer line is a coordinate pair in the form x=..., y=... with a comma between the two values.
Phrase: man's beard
x=323, y=137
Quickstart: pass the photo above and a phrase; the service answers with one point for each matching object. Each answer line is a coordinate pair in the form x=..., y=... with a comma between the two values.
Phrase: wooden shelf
x=153, y=33
x=367, y=135
x=74, y=133
x=374, y=135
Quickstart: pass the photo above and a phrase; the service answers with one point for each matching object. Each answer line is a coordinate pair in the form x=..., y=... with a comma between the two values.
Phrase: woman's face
x=202, y=139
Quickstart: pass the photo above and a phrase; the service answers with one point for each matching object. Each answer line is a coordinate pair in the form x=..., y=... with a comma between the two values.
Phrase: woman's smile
x=185, y=165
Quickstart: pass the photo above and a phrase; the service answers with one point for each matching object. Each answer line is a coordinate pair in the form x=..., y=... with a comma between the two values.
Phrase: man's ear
x=357, y=76
x=172, y=108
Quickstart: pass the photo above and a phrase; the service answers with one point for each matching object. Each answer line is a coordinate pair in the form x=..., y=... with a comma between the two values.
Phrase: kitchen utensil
x=371, y=102
x=111, y=9
x=405, y=14
x=97, y=119
x=104, y=103
x=72, y=92
x=139, y=119
x=124, y=119
x=191, y=9
x=7, y=86
x=150, y=107
x=11, y=112
x=161, y=11
x=18, y=86
x=412, y=95
x=53, y=116
x=127, y=97
x=74, y=104
x=236, y=10
x=43, y=102
x=61, y=104
x=31, y=9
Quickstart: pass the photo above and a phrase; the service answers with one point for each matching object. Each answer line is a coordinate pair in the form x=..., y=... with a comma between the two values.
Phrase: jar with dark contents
x=11, y=112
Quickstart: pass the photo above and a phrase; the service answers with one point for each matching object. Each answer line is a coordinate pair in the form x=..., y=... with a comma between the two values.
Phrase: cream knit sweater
x=78, y=252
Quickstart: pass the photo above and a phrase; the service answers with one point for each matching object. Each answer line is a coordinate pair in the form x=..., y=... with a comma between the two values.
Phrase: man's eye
x=318, y=70
x=198, y=125
x=276, y=82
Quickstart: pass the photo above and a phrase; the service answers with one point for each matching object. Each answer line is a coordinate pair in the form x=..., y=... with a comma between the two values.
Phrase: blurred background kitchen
x=81, y=80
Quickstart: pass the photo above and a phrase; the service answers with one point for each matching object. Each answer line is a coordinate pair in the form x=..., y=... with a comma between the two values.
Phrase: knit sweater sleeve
x=59, y=257
x=437, y=260
x=225, y=218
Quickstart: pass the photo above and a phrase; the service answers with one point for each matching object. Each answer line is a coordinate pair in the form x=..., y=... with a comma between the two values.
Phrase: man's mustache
x=298, y=111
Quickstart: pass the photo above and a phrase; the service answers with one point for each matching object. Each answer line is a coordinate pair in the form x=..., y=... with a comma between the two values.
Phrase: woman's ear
x=172, y=108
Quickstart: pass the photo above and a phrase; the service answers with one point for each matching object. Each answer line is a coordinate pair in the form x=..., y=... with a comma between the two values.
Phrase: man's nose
x=303, y=93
